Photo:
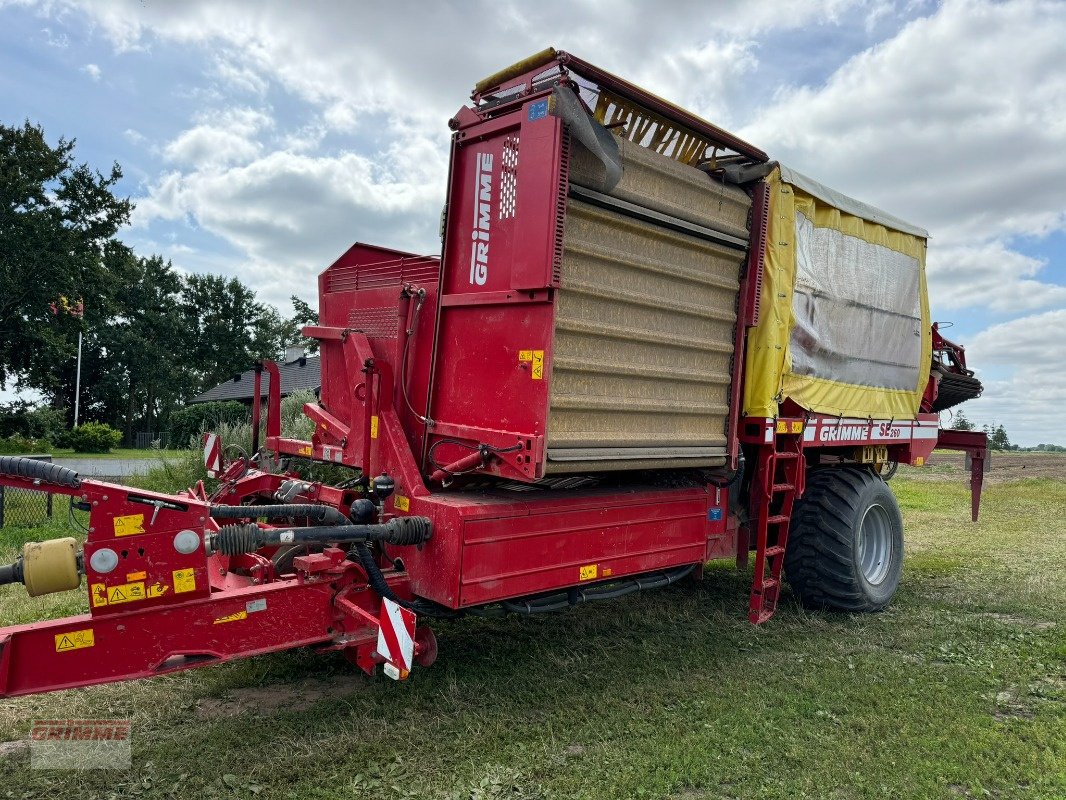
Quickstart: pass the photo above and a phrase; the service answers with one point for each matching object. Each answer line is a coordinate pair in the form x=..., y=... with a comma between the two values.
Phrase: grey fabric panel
x=857, y=310
x=596, y=139
x=848, y=204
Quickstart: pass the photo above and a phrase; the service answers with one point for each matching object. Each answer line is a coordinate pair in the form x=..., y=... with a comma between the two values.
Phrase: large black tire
x=845, y=544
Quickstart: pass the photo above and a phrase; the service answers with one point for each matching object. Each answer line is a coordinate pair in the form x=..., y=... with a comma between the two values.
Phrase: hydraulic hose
x=32, y=469
x=374, y=575
x=611, y=591
x=248, y=537
x=11, y=573
x=313, y=511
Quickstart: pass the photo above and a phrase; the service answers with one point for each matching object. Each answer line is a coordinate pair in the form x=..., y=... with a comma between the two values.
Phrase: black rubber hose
x=374, y=575
x=231, y=540
x=530, y=607
x=313, y=511
x=43, y=471
x=612, y=591
x=11, y=573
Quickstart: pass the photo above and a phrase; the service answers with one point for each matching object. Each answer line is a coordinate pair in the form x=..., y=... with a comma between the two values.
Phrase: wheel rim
x=875, y=544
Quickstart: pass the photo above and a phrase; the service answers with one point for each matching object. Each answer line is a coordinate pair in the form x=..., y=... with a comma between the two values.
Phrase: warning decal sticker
x=125, y=593
x=129, y=525
x=184, y=580
x=74, y=640
x=535, y=358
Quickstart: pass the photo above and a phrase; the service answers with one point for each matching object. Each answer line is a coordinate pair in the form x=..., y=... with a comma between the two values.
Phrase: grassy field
x=959, y=690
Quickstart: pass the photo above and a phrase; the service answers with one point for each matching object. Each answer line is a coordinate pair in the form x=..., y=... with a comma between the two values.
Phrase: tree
x=152, y=338
x=961, y=422
x=229, y=328
x=998, y=440
x=145, y=348
x=57, y=226
x=303, y=315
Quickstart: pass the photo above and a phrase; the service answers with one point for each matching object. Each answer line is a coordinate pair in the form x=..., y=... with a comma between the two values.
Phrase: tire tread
x=819, y=559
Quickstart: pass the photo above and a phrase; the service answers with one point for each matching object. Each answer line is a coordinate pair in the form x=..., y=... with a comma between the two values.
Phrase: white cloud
x=958, y=122
x=1040, y=337
x=989, y=276
x=291, y=214
x=220, y=139
x=60, y=40
x=238, y=76
x=1027, y=399
x=92, y=70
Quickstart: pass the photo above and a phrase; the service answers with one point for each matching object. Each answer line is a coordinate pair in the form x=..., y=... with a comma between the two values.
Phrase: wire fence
x=146, y=440
x=24, y=508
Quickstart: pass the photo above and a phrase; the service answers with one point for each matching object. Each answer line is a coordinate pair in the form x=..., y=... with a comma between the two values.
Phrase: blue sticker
x=538, y=110
x=714, y=515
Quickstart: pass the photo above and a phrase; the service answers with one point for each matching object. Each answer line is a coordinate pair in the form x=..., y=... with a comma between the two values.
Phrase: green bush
x=22, y=419
x=94, y=437
x=17, y=444
x=188, y=425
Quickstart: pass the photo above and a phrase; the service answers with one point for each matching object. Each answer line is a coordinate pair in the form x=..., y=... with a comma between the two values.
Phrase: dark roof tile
x=294, y=377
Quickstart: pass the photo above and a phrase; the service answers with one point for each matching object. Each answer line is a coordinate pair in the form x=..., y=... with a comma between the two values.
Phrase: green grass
x=959, y=690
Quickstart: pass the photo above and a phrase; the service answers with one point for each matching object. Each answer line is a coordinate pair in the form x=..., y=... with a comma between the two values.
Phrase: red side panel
x=361, y=291
x=494, y=336
x=489, y=546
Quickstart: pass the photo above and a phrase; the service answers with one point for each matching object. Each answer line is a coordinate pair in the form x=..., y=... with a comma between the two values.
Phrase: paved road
x=88, y=466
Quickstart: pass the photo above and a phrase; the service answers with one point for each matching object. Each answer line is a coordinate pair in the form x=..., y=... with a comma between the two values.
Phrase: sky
x=260, y=139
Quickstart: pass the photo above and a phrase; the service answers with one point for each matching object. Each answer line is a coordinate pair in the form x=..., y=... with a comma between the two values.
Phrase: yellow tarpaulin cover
x=844, y=323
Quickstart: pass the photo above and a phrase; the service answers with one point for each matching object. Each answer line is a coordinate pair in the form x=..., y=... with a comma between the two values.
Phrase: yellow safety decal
x=374, y=427
x=538, y=365
x=919, y=461
x=797, y=426
x=401, y=503
x=305, y=450
x=99, y=595
x=74, y=640
x=588, y=572
x=184, y=580
x=129, y=525
x=136, y=576
x=536, y=360
x=126, y=593
x=782, y=426
x=237, y=616
x=157, y=589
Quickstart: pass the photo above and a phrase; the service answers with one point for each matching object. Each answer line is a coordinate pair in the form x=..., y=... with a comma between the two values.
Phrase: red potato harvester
x=645, y=346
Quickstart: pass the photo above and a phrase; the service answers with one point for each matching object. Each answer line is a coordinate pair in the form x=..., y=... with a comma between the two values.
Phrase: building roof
x=303, y=373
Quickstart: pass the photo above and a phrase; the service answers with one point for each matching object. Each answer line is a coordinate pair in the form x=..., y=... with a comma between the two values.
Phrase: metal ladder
x=779, y=481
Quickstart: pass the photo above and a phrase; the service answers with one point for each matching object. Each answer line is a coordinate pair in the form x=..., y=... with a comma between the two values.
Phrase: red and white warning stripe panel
x=396, y=639
x=213, y=454
x=845, y=431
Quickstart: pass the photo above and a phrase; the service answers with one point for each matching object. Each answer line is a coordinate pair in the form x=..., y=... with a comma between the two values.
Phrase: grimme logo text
x=479, y=252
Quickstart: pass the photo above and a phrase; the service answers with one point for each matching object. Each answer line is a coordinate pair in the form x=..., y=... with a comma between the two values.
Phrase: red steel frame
x=414, y=358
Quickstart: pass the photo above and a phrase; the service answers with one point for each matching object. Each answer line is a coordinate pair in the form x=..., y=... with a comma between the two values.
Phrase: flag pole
x=77, y=383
